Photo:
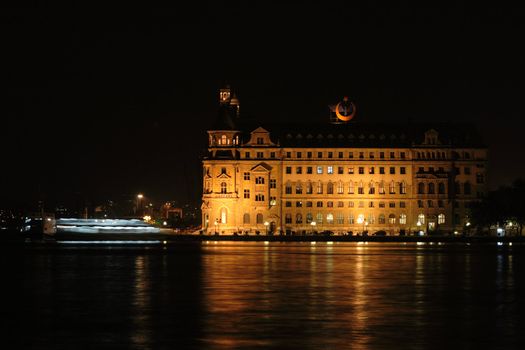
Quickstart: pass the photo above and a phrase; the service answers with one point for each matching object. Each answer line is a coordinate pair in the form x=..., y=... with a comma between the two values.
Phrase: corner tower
x=220, y=167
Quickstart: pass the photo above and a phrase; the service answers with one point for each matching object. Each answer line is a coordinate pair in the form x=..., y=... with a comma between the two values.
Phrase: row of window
x=340, y=154
x=330, y=169
x=340, y=219
x=401, y=187
x=341, y=204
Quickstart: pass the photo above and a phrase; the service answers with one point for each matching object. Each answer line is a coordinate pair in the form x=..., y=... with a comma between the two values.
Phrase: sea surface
x=265, y=295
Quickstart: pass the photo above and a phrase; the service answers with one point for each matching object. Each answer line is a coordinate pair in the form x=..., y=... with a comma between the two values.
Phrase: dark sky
x=109, y=101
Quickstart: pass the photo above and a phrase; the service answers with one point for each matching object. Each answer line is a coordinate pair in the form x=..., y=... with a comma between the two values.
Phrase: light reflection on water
x=276, y=295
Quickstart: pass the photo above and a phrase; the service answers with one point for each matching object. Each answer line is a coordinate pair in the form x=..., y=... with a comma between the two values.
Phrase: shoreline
x=166, y=238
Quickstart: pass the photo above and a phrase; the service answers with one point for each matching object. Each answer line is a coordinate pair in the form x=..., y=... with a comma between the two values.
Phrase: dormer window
x=431, y=137
x=260, y=141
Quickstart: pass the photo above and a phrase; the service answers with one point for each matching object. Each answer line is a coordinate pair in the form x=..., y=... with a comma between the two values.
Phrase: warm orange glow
x=344, y=118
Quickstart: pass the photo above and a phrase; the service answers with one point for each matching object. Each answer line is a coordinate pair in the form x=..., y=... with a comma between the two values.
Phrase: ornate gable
x=262, y=168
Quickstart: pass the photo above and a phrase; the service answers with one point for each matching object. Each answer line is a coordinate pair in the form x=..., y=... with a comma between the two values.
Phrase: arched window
x=246, y=218
x=340, y=187
x=224, y=140
x=319, y=187
x=351, y=187
x=319, y=218
x=441, y=188
x=382, y=187
x=402, y=219
x=329, y=218
x=360, y=188
x=288, y=188
x=431, y=188
x=224, y=215
x=299, y=219
x=360, y=219
x=224, y=187
x=421, y=219
x=391, y=219
x=330, y=188
x=371, y=218
x=371, y=188
x=441, y=218
x=392, y=187
x=403, y=187
x=382, y=219
x=299, y=187
x=309, y=218
x=259, y=218
x=288, y=218
x=420, y=188
x=309, y=188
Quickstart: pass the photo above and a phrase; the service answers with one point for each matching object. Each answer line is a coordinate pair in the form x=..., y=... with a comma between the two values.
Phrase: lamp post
x=419, y=228
x=266, y=225
x=216, y=223
x=140, y=196
x=313, y=223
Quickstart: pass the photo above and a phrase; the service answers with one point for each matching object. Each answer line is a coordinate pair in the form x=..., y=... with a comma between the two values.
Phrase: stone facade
x=345, y=178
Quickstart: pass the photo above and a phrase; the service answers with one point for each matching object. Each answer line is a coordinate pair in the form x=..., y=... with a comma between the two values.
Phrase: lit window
x=223, y=216
x=391, y=219
x=319, y=169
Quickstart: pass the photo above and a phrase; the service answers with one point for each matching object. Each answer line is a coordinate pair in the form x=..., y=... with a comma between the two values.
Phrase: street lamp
x=139, y=203
x=467, y=224
x=216, y=223
x=266, y=224
x=313, y=223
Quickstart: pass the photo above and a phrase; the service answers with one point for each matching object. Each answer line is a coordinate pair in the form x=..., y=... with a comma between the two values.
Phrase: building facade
x=340, y=176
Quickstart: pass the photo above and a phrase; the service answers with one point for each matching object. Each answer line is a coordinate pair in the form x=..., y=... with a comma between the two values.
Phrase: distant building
x=340, y=175
x=171, y=212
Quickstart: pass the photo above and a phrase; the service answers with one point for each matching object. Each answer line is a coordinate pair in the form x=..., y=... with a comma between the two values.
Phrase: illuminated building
x=339, y=176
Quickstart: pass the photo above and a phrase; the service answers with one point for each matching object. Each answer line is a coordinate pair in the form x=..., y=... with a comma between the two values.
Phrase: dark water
x=241, y=295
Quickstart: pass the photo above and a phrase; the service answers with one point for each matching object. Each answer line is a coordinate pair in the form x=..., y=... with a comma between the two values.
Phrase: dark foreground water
x=233, y=295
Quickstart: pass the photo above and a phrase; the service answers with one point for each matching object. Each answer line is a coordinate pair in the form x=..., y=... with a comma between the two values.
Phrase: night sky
x=106, y=102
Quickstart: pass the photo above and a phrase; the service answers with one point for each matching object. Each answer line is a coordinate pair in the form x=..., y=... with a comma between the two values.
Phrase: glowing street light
x=266, y=224
x=140, y=196
x=313, y=223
